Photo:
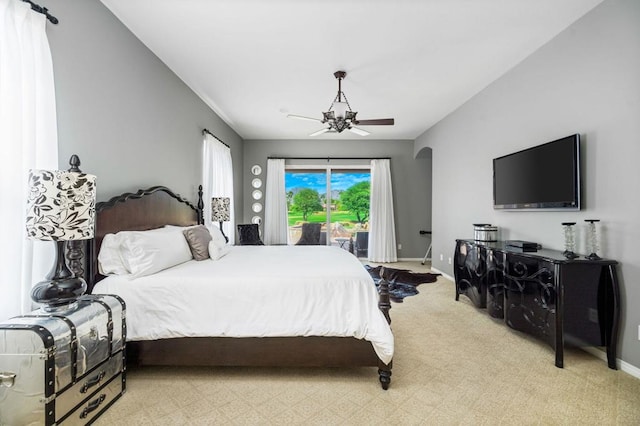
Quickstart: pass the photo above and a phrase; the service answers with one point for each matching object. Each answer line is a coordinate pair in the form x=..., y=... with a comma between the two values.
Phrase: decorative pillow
x=147, y=252
x=109, y=258
x=249, y=235
x=310, y=234
x=198, y=238
x=215, y=232
x=216, y=251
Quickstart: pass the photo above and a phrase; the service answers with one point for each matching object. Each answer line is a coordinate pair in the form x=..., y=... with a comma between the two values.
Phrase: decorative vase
x=569, y=240
x=592, y=239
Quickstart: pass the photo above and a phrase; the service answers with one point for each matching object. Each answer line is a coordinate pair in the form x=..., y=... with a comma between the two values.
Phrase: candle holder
x=592, y=239
x=569, y=240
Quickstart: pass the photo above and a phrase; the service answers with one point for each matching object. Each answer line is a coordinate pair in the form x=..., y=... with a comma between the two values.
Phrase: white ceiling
x=254, y=61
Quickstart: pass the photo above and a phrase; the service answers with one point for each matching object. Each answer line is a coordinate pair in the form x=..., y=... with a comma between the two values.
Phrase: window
x=217, y=180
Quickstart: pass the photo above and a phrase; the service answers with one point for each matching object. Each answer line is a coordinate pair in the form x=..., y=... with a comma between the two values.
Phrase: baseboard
x=629, y=369
x=447, y=276
x=409, y=259
x=622, y=365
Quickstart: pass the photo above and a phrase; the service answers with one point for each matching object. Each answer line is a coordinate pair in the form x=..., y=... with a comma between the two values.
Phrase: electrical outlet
x=441, y=257
x=399, y=246
x=593, y=315
x=449, y=261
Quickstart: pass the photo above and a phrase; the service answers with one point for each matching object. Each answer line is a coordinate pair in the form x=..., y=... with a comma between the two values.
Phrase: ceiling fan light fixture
x=328, y=116
x=340, y=117
x=340, y=124
x=340, y=109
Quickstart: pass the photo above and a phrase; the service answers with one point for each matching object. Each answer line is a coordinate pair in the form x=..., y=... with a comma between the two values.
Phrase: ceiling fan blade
x=321, y=131
x=301, y=117
x=358, y=131
x=377, y=122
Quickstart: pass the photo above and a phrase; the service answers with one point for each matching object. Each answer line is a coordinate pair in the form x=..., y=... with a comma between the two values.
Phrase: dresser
x=558, y=300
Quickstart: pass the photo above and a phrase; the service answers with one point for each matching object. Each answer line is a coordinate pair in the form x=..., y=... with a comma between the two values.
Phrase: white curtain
x=275, y=210
x=217, y=181
x=28, y=140
x=382, y=228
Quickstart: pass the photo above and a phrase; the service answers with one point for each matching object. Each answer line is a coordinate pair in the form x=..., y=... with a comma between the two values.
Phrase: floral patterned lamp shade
x=61, y=205
x=221, y=211
x=60, y=208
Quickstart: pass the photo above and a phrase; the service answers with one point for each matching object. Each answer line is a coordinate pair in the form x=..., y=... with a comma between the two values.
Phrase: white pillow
x=216, y=251
x=109, y=259
x=147, y=252
x=217, y=236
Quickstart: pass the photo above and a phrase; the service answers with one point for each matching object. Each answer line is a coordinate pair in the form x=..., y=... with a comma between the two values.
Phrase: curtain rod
x=217, y=138
x=330, y=158
x=43, y=10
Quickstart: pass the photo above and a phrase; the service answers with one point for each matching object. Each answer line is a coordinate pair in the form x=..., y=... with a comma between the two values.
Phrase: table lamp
x=60, y=208
x=221, y=211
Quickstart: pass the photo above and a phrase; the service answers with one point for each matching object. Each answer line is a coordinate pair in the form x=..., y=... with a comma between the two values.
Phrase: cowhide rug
x=402, y=282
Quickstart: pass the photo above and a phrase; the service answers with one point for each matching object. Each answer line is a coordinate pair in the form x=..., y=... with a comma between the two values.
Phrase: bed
x=327, y=316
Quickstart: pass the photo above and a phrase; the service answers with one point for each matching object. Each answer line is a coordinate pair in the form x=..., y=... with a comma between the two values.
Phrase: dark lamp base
x=61, y=286
x=225, y=237
x=58, y=292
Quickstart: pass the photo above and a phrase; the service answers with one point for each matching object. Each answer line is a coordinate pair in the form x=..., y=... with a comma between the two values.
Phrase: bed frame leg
x=384, y=371
x=384, y=304
x=384, y=301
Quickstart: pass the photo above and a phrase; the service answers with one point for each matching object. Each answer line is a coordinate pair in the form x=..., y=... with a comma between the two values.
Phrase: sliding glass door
x=306, y=200
x=336, y=197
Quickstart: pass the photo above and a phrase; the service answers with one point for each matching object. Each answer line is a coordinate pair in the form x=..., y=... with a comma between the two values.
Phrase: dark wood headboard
x=146, y=209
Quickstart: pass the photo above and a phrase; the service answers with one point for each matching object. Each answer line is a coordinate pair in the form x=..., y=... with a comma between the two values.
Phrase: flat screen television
x=546, y=176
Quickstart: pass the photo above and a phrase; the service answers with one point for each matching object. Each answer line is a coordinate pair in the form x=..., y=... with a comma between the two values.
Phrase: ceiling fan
x=340, y=117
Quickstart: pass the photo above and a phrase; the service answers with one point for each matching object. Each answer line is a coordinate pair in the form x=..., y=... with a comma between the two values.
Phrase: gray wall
x=129, y=118
x=587, y=81
x=411, y=179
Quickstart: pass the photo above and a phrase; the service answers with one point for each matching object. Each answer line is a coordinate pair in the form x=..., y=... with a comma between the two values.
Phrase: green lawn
x=342, y=217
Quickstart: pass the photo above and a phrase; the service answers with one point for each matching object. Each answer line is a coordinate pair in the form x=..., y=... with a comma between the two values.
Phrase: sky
x=317, y=181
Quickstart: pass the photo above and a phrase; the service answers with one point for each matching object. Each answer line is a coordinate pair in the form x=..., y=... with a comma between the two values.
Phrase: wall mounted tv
x=546, y=176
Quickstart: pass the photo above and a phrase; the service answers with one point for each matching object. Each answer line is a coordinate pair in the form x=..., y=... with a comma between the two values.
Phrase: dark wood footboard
x=259, y=352
x=255, y=352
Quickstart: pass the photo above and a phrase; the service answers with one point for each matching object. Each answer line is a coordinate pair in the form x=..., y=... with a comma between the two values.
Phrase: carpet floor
x=453, y=365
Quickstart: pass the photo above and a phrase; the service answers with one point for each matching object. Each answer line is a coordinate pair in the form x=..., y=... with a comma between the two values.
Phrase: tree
x=289, y=199
x=306, y=201
x=356, y=200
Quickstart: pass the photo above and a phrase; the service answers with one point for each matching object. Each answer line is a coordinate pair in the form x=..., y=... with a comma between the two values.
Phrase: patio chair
x=310, y=234
x=361, y=246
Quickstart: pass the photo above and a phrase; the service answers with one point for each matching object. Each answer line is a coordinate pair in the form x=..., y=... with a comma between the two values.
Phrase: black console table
x=542, y=293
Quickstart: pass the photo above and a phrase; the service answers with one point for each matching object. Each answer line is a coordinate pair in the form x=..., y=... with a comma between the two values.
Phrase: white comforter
x=257, y=291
